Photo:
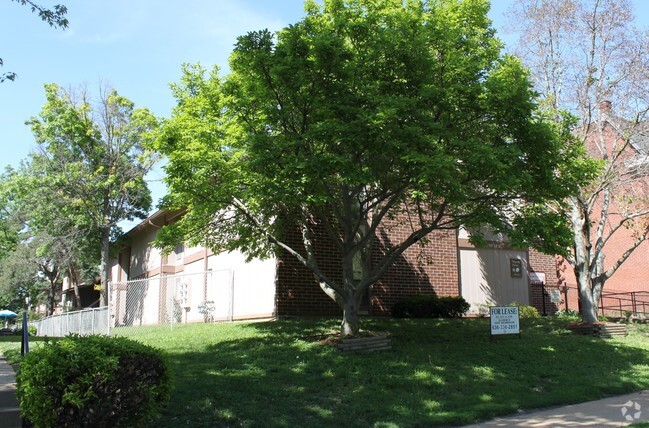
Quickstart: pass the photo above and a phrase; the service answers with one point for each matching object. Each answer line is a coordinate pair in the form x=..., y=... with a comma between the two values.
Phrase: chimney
x=605, y=106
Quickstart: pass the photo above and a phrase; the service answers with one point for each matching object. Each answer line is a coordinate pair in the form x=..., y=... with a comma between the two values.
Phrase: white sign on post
x=555, y=296
x=504, y=320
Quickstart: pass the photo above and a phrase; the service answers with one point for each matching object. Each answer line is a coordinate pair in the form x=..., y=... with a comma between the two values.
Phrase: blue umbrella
x=5, y=313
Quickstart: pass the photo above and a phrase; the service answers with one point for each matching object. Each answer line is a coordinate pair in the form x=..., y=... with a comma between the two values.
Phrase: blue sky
x=136, y=46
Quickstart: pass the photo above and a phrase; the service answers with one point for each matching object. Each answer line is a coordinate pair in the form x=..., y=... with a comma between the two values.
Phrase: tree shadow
x=408, y=275
x=439, y=372
x=128, y=297
x=500, y=286
x=298, y=293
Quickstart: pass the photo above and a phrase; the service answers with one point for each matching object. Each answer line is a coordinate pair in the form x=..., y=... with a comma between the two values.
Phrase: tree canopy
x=364, y=114
x=88, y=173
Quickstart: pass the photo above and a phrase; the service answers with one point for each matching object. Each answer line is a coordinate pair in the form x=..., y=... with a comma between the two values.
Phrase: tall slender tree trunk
x=587, y=298
x=588, y=263
x=74, y=281
x=105, y=255
x=51, y=297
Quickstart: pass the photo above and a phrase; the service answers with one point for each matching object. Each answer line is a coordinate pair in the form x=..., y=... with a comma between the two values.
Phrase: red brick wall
x=432, y=269
x=297, y=291
x=633, y=275
x=539, y=262
x=428, y=269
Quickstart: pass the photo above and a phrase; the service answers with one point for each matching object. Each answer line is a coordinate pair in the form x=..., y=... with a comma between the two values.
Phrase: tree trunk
x=582, y=263
x=588, y=305
x=51, y=297
x=105, y=247
x=351, y=324
x=74, y=281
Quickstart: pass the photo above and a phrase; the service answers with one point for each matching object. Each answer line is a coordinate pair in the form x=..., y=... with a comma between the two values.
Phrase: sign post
x=504, y=320
x=24, y=345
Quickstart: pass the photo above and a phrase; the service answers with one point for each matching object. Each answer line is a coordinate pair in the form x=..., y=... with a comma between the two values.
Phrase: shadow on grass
x=438, y=373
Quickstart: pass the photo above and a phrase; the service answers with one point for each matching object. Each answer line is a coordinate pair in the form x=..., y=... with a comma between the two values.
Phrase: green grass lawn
x=439, y=372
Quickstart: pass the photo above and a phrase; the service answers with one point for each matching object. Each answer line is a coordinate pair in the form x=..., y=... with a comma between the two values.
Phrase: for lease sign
x=504, y=320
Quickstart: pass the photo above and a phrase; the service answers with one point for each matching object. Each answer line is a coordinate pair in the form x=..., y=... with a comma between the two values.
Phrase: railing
x=634, y=302
x=136, y=305
x=87, y=321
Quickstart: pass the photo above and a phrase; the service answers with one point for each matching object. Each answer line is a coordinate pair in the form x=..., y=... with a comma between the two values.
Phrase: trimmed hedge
x=92, y=381
x=430, y=306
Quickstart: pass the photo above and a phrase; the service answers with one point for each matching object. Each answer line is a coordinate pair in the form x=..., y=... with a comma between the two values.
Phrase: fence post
x=633, y=300
x=172, y=303
x=109, y=287
x=231, y=295
x=565, y=294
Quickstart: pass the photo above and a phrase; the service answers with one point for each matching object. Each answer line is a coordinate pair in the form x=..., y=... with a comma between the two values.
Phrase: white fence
x=168, y=301
x=88, y=321
x=171, y=300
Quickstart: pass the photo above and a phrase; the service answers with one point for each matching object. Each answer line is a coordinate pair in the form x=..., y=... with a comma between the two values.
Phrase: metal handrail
x=635, y=302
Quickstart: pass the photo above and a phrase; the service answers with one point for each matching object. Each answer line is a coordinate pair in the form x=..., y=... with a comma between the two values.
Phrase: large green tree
x=9, y=223
x=91, y=164
x=21, y=275
x=64, y=235
x=363, y=116
x=47, y=240
x=30, y=272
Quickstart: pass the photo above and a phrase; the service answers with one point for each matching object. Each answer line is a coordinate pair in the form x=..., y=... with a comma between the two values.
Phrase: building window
x=179, y=250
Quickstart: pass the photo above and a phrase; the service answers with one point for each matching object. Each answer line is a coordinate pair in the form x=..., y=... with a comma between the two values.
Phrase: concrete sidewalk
x=618, y=411
x=9, y=410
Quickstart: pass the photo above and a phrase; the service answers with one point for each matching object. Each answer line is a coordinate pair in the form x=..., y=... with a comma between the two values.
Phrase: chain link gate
x=170, y=301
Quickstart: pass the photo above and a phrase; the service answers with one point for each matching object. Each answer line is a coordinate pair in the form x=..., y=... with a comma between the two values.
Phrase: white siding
x=486, y=278
x=144, y=256
x=253, y=293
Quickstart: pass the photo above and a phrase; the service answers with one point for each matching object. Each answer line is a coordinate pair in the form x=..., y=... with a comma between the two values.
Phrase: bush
x=453, y=307
x=87, y=381
x=567, y=313
x=526, y=311
x=414, y=307
x=430, y=306
x=31, y=331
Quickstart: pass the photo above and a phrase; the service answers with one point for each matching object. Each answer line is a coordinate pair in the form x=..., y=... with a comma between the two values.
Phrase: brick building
x=448, y=265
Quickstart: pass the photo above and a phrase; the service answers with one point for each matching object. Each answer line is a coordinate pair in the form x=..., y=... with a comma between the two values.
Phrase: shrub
x=414, y=307
x=430, y=306
x=31, y=331
x=453, y=307
x=526, y=311
x=87, y=381
x=566, y=313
